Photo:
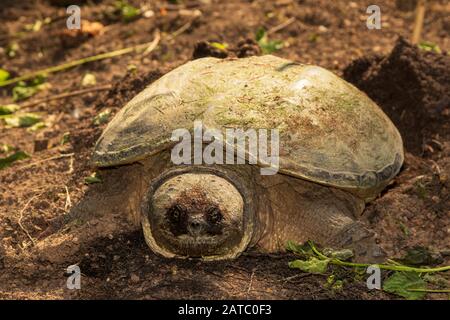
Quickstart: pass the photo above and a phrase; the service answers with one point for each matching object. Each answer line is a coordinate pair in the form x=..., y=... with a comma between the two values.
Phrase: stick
x=79, y=62
x=48, y=159
x=68, y=200
x=251, y=283
x=179, y=31
x=281, y=26
x=66, y=95
x=19, y=221
x=418, y=22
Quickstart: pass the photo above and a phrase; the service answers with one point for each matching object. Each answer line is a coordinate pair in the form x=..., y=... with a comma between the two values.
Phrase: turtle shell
x=329, y=131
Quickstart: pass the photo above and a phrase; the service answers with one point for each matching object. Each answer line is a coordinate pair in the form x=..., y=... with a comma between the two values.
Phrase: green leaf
x=400, y=283
x=338, y=285
x=21, y=92
x=313, y=37
x=342, y=254
x=102, y=117
x=8, y=109
x=127, y=11
x=93, y=178
x=6, y=162
x=420, y=256
x=436, y=279
x=304, y=250
x=260, y=34
x=4, y=75
x=312, y=265
x=220, y=46
x=429, y=46
x=12, y=49
x=65, y=138
x=23, y=120
x=271, y=46
x=37, y=126
x=25, y=90
x=267, y=46
x=36, y=26
x=6, y=148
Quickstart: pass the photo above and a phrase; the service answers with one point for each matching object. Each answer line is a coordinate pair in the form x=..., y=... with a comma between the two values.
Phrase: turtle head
x=196, y=214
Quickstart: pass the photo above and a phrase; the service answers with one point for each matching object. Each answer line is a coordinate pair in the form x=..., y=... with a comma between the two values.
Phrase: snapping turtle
x=337, y=151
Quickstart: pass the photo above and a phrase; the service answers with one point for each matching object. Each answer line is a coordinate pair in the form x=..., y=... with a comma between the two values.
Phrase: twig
x=75, y=63
x=68, y=200
x=281, y=26
x=19, y=221
x=297, y=276
x=70, y=171
x=418, y=22
x=152, y=45
x=251, y=283
x=66, y=95
x=48, y=159
x=179, y=31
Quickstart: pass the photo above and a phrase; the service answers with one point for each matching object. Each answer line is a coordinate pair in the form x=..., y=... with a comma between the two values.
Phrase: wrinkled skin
x=217, y=212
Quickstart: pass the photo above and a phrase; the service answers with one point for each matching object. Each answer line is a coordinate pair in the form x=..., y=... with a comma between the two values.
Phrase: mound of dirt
x=412, y=87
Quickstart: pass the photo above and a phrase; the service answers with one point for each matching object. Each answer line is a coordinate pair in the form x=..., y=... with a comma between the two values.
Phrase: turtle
x=337, y=152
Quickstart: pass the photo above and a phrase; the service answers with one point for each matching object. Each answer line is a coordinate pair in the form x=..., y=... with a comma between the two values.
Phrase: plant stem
x=75, y=63
x=66, y=95
x=381, y=266
x=430, y=290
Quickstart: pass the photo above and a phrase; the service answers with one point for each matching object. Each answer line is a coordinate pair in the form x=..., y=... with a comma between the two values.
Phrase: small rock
x=40, y=145
x=149, y=14
x=134, y=278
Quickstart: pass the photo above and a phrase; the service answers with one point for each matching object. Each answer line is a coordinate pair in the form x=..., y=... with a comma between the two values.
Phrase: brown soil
x=410, y=85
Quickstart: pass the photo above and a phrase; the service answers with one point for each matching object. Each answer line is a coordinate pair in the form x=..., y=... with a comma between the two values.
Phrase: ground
x=410, y=84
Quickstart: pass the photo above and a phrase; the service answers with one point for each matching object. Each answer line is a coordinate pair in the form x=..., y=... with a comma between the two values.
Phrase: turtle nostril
x=195, y=224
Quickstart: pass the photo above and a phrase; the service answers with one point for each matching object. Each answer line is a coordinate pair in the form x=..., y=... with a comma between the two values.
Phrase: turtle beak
x=195, y=227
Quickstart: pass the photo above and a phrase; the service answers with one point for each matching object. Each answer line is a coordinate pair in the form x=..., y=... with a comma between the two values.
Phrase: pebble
x=134, y=278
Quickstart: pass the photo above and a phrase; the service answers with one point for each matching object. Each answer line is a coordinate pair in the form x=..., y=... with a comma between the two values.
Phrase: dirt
x=36, y=194
x=412, y=87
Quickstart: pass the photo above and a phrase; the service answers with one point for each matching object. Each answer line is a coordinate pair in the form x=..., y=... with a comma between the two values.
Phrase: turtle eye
x=214, y=215
x=176, y=213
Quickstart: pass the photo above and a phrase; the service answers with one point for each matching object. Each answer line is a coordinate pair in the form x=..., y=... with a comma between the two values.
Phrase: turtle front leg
x=297, y=210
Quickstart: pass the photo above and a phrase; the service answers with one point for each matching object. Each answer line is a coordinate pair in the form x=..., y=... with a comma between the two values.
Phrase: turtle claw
x=362, y=241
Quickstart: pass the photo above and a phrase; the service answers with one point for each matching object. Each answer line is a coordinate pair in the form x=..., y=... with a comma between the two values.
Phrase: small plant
x=65, y=138
x=25, y=90
x=8, y=109
x=405, y=281
x=22, y=120
x=93, y=178
x=102, y=117
x=4, y=75
x=9, y=160
x=429, y=46
x=267, y=46
x=128, y=12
